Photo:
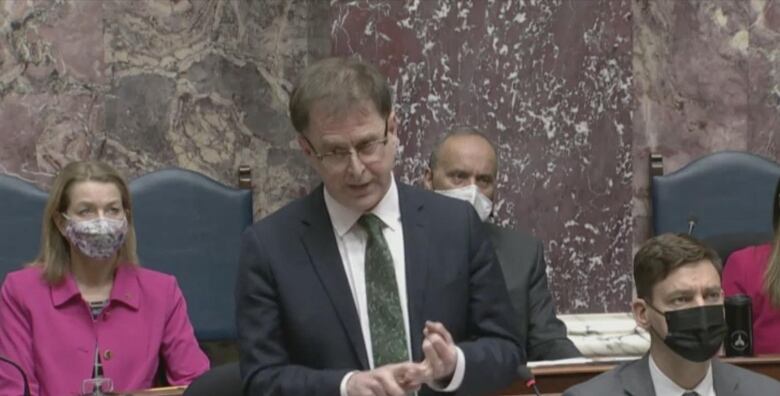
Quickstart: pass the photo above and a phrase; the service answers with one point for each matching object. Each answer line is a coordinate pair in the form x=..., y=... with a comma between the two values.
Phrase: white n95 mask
x=471, y=194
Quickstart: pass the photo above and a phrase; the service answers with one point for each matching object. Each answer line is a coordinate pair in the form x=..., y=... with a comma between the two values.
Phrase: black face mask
x=695, y=333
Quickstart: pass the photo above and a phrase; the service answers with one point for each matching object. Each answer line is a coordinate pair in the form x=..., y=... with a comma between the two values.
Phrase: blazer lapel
x=320, y=242
x=414, y=223
x=635, y=377
x=724, y=382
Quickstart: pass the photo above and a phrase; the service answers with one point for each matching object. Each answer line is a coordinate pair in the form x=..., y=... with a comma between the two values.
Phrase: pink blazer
x=744, y=274
x=49, y=331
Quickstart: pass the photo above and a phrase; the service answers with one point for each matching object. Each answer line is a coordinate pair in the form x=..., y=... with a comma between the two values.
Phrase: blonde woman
x=755, y=271
x=84, y=315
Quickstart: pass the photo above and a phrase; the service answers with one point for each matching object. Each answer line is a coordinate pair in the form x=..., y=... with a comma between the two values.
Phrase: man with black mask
x=680, y=303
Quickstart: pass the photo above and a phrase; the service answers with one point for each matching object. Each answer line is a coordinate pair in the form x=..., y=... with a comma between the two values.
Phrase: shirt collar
x=64, y=291
x=125, y=290
x=343, y=218
x=665, y=386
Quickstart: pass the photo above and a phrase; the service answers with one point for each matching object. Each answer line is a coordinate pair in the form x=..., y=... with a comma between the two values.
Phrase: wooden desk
x=556, y=379
x=166, y=391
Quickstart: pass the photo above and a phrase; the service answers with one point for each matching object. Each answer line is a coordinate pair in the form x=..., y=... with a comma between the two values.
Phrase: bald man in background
x=464, y=165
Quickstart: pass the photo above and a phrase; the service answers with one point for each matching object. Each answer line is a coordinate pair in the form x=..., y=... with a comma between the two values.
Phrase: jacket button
x=107, y=354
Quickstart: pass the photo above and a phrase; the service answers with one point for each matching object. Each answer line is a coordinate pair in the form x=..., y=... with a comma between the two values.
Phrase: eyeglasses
x=339, y=159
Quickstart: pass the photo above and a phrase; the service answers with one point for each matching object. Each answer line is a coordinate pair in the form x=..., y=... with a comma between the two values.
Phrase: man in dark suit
x=367, y=286
x=680, y=302
x=464, y=164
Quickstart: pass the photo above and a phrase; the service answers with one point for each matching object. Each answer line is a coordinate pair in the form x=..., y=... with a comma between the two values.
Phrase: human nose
x=355, y=164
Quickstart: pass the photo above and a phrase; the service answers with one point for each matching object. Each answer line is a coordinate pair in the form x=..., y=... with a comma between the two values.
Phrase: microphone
x=528, y=379
x=24, y=376
x=691, y=224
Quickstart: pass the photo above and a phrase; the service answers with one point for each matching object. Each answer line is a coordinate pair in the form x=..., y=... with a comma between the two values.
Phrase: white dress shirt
x=351, y=239
x=666, y=387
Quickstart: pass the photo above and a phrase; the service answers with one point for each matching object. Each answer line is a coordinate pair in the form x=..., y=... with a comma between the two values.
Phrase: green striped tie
x=386, y=321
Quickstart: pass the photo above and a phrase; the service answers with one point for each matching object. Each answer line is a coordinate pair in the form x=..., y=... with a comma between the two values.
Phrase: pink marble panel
x=705, y=80
x=203, y=85
x=52, y=77
x=763, y=62
x=576, y=93
x=151, y=84
x=550, y=83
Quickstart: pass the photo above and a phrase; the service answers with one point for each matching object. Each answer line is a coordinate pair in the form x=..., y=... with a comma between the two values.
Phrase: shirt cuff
x=457, y=376
x=343, y=386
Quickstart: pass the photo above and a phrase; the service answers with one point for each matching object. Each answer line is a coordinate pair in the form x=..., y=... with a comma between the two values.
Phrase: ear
x=640, y=309
x=428, y=179
x=392, y=125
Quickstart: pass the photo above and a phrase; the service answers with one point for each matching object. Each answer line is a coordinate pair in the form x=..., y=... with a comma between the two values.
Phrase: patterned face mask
x=97, y=238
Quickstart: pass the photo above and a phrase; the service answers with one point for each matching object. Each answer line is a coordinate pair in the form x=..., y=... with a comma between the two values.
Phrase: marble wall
x=575, y=92
x=550, y=82
x=706, y=78
x=146, y=85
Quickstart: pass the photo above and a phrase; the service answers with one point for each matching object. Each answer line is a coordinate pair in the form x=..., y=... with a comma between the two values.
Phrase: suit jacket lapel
x=724, y=382
x=414, y=223
x=320, y=242
x=635, y=377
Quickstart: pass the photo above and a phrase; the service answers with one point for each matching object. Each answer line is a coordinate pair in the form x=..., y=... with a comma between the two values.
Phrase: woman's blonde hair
x=54, y=256
x=772, y=274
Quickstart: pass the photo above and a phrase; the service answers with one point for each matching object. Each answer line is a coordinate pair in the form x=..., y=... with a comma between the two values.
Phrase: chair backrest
x=190, y=226
x=728, y=196
x=224, y=380
x=729, y=243
x=21, y=211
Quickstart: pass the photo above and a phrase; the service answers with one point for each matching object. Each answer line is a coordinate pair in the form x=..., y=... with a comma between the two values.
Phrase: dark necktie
x=691, y=393
x=386, y=322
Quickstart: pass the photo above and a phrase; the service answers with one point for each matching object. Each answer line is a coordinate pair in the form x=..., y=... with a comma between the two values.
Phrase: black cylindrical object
x=739, y=318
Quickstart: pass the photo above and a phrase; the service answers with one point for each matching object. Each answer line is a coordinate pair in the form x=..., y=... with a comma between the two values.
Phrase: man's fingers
x=438, y=328
x=440, y=346
x=433, y=358
x=415, y=375
x=375, y=386
x=364, y=384
x=387, y=379
x=443, y=349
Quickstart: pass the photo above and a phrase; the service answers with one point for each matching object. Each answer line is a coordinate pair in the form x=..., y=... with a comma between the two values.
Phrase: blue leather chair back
x=729, y=194
x=21, y=211
x=190, y=226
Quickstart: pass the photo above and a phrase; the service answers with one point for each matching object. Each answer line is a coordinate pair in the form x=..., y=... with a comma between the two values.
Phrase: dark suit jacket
x=633, y=378
x=522, y=260
x=299, y=331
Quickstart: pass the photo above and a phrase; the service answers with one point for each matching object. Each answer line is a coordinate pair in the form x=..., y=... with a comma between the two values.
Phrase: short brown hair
x=338, y=83
x=54, y=255
x=664, y=253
